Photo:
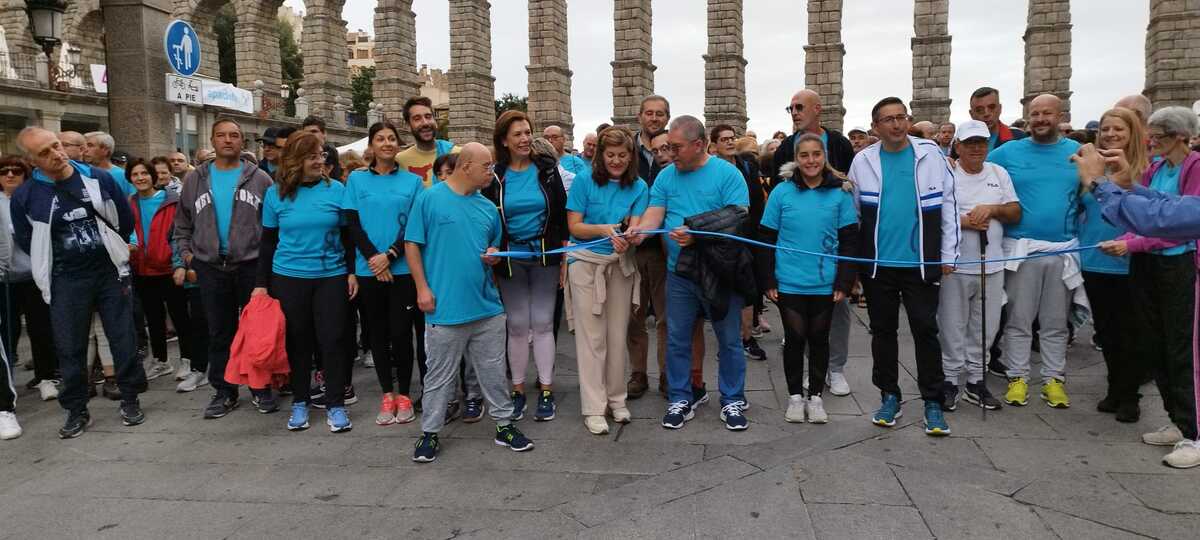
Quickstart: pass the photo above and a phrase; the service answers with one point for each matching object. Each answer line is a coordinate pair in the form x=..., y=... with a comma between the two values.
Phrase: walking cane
x=983, y=341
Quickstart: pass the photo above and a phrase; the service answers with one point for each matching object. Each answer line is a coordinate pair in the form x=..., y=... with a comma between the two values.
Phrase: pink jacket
x=1189, y=184
x=258, y=355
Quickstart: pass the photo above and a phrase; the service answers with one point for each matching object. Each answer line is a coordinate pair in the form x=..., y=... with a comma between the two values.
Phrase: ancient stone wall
x=823, y=59
x=1173, y=53
x=472, y=87
x=931, y=61
x=1048, y=52
x=724, y=66
x=549, y=71
x=633, y=62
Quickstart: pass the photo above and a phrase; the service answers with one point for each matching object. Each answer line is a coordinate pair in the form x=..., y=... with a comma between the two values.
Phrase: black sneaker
x=109, y=390
x=1108, y=405
x=997, y=368
x=1129, y=411
x=949, y=396
x=348, y=398
x=131, y=414
x=452, y=407
x=518, y=399
x=417, y=407
x=75, y=425
x=473, y=411
x=220, y=406
x=978, y=394
x=426, y=448
x=265, y=403
x=512, y=437
x=699, y=395
x=753, y=351
x=545, y=407
x=285, y=389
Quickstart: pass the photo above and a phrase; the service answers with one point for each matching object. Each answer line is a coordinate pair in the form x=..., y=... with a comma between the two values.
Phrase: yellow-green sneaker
x=1018, y=392
x=1055, y=394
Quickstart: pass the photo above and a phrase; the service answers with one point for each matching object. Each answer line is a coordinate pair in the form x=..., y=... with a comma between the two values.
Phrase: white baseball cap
x=971, y=129
x=858, y=129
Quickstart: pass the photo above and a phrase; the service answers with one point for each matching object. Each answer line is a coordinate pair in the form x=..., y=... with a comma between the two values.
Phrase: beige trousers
x=600, y=339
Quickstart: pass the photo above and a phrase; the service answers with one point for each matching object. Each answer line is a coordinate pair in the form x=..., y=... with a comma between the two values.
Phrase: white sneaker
x=596, y=424
x=368, y=359
x=185, y=367
x=621, y=415
x=815, y=410
x=156, y=369
x=48, y=389
x=837, y=384
x=1185, y=455
x=1165, y=436
x=9, y=428
x=194, y=380
x=795, y=410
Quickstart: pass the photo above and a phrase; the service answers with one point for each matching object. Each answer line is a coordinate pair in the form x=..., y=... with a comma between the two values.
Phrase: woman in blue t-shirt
x=304, y=257
x=532, y=201
x=376, y=205
x=601, y=279
x=809, y=212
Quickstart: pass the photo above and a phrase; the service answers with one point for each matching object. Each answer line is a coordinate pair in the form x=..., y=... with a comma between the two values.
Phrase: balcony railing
x=23, y=69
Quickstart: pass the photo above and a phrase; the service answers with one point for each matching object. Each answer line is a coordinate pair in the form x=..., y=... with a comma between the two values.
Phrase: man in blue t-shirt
x=1045, y=180
x=451, y=232
x=696, y=183
x=98, y=152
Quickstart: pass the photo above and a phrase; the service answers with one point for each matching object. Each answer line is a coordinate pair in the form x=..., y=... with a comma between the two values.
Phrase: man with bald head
x=589, y=147
x=1137, y=103
x=451, y=231
x=73, y=144
x=985, y=107
x=568, y=161
x=805, y=109
x=1045, y=180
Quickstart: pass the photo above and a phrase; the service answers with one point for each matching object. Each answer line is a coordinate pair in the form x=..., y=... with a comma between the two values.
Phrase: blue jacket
x=1150, y=213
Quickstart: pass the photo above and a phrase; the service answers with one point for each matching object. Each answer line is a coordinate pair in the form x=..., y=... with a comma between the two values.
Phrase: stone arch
x=256, y=43
x=201, y=14
x=85, y=29
x=21, y=47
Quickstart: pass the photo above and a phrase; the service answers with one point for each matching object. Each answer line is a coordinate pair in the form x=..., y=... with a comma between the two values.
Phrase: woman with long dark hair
x=304, y=262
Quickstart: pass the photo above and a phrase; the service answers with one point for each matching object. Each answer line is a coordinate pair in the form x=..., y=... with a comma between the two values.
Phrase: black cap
x=270, y=134
x=120, y=157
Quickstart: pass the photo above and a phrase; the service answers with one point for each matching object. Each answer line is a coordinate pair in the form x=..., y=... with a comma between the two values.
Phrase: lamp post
x=46, y=19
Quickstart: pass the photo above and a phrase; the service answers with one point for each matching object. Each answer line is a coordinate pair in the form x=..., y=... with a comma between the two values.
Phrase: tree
x=223, y=25
x=511, y=101
x=361, y=85
x=291, y=62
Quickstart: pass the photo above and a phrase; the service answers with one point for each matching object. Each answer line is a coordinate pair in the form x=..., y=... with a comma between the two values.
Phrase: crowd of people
x=462, y=260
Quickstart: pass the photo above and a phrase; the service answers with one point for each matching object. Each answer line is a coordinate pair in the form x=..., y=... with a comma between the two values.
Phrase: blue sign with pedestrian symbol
x=182, y=47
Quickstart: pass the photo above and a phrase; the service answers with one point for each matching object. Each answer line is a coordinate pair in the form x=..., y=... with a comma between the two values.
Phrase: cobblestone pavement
x=1031, y=472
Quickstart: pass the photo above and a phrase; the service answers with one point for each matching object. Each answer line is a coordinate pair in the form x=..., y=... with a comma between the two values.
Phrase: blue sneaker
x=732, y=415
x=935, y=421
x=888, y=411
x=299, y=419
x=545, y=407
x=677, y=413
x=512, y=437
x=338, y=420
x=518, y=399
x=472, y=410
x=426, y=448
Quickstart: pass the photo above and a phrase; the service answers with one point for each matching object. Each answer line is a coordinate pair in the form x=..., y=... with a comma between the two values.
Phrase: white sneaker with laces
x=837, y=384
x=48, y=389
x=194, y=380
x=815, y=410
x=795, y=410
x=156, y=369
x=185, y=367
x=1185, y=455
x=1165, y=436
x=9, y=428
x=368, y=359
x=596, y=425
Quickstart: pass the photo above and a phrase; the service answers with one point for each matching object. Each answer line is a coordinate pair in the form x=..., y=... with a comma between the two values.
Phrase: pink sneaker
x=404, y=409
x=387, y=410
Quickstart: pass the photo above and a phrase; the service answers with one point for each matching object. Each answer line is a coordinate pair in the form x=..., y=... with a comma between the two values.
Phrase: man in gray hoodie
x=217, y=233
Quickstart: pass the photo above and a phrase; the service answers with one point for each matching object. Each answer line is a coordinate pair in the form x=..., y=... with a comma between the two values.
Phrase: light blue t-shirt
x=524, y=204
x=1166, y=180
x=897, y=235
x=453, y=231
x=118, y=176
x=715, y=185
x=310, y=236
x=223, y=184
x=610, y=203
x=383, y=202
x=1047, y=185
x=807, y=219
x=576, y=165
x=147, y=206
x=1093, y=230
x=992, y=140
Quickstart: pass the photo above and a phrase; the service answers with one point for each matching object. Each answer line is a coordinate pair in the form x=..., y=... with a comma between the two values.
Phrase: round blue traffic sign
x=182, y=47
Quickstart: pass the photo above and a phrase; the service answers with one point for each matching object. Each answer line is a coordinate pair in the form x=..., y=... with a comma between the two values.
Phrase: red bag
x=258, y=356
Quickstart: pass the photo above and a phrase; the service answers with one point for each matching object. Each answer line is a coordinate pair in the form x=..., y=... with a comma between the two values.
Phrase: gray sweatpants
x=959, y=314
x=482, y=344
x=839, y=337
x=1036, y=292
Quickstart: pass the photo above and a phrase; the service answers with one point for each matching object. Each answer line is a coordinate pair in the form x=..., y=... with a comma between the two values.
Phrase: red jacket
x=153, y=256
x=258, y=355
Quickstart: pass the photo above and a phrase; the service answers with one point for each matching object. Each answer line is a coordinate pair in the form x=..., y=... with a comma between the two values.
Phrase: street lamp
x=284, y=91
x=46, y=17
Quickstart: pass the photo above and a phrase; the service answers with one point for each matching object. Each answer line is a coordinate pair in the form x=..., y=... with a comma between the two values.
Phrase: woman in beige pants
x=603, y=277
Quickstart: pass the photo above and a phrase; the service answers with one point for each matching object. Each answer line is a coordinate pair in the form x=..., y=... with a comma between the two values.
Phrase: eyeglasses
x=321, y=156
x=12, y=171
x=793, y=109
x=71, y=144
x=675, y=148
x=892, y=119
x=726, y=139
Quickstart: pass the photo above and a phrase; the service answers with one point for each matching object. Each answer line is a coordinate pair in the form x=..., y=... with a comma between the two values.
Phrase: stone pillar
x=1173, y=53
x=201, y=15
x=50, y=120
x=395, y=57
x=549, y=71
x=1048, y=52
x=823, y=59
x=326, y=74
x=931, y=61
x=633, y=61
x=256, y=45
x=140, y=119
x=472, y=87
x=724, y=66
x=15, y=20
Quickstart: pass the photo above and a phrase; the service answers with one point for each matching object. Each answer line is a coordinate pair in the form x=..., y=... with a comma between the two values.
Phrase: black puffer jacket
x=718, y=265
x=554, y=230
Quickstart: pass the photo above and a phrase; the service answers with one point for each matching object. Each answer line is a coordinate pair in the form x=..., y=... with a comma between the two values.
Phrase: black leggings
x=155, y=293
x=393, y=318
x=806, y=322
x=315, y=310
x=197, y=352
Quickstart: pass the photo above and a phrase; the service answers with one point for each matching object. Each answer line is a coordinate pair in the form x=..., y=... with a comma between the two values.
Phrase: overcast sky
x=1107, y=53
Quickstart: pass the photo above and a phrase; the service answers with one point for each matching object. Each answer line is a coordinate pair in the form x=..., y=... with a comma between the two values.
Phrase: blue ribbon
x=591, y=243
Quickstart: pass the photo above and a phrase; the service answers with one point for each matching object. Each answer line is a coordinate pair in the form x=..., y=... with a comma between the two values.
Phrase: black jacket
x=764, y=259
x=718, y=265
x=554, y=230
x=840, y=154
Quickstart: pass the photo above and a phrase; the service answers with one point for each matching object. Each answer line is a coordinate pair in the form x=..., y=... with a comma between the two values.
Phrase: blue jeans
x=74, y=297
x=683, y=306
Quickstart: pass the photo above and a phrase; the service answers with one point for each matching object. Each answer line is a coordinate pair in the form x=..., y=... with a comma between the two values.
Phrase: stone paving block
x=1006, y=423
x=67, y=516
x=520, y=489
x=1060, y=457
x=848, y=478
x=707, y=428
x=1074, y=528
x=912, y=447
x=1089, y=425
x=1166, y=492
x=1097, y=498
x=959, y=510
x=805, y=440
x=867, y=522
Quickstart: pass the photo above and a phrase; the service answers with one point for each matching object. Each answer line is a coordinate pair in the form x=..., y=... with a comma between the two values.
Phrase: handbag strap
x=91, y=210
